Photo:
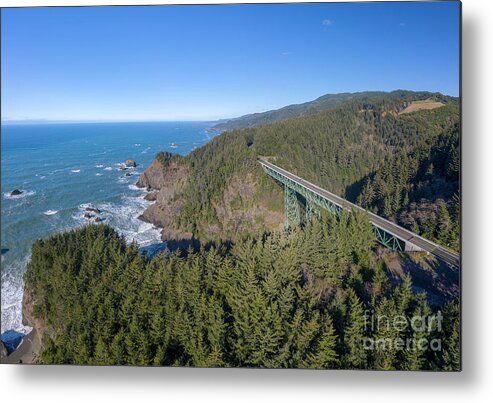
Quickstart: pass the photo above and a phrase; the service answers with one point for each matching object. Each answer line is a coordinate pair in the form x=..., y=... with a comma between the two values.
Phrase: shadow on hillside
x=440, y=281
x=353, y=191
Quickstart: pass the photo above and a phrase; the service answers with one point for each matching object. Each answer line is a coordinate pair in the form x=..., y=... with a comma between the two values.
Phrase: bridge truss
x=302, y=204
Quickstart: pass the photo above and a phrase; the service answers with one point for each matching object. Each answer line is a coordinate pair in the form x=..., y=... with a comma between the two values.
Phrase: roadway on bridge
x=436, y=250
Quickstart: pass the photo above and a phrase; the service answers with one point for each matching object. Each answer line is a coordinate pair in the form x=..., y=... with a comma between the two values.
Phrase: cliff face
x=169, y=183
x=153, y=177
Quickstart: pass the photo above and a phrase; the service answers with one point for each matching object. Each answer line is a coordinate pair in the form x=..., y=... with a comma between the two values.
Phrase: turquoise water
x=64, y=168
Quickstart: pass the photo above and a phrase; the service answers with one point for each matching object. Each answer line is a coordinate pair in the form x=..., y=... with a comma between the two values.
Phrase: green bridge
x=303, y=200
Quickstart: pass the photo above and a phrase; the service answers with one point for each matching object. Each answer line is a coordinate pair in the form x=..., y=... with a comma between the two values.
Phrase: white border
x=88, y=384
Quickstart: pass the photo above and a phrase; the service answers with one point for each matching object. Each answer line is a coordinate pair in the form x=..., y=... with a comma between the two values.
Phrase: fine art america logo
x=392, y=329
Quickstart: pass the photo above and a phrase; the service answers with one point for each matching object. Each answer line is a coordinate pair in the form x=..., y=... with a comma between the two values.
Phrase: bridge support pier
x=292, y=216
x=311, y=209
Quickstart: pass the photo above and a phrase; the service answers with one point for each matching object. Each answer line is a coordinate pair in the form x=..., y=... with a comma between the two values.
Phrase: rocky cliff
x=238, y=210
x=166, y=187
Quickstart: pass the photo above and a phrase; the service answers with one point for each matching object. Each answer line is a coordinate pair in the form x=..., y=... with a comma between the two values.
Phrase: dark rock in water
x=93, y=210
x=127, y=174
x=11, y=340
x=16, y=192
x=4, y=250
x=87, y=215
x=130, y=163
x=98, y=219
x=152, y=196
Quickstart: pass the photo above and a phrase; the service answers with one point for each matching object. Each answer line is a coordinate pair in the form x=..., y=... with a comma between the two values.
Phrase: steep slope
x=226, y=195
x=420, y=189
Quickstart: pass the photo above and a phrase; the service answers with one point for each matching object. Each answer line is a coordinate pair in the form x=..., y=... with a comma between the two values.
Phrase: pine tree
x=355, y=355
x=325, y=355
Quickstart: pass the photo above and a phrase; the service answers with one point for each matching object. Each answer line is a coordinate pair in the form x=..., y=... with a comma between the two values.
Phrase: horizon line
x=214, y=120
x=61, y=121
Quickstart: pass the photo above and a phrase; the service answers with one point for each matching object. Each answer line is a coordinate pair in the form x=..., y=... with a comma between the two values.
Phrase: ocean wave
x=134, y=187
x=125, y=219
x=99, y=166
x=50, y=212
x=98, y=174
x=25, y=193
x=75, y=171
x=80, y=215
x=12, y=292
x=108, y=169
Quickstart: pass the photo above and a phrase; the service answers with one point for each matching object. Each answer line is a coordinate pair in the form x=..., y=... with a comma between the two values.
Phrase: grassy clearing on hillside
x=420, y=105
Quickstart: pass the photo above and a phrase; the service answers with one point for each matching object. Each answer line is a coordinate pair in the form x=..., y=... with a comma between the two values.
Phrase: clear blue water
x=63, y=168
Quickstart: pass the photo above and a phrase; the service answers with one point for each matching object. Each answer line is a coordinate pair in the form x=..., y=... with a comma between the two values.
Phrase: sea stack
x=16, y=192
x=130, y=164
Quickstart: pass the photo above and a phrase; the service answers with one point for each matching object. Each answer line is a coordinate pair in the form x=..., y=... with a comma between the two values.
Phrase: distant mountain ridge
x=325, y=102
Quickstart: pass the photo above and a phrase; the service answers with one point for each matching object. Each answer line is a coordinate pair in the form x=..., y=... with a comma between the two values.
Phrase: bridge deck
x=436, y=250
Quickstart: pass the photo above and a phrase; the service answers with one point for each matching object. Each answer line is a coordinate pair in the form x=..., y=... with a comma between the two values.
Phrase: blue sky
x=210, y=62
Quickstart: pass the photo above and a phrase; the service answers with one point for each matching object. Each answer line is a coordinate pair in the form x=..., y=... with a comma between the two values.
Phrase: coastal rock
x=127, y=174
x=93, y=210
x=152, y=196
x=169, y=200
x=16, y=192
x=88, y=216
x=130, y=164
x=153, y=177
x=98, y=219
x=165, y=216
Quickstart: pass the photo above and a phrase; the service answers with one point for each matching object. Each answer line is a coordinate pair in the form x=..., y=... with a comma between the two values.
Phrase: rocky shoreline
x=164, y=188
x=30, y=347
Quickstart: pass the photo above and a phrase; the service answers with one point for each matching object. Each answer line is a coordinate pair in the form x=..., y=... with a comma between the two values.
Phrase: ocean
x=63, y=168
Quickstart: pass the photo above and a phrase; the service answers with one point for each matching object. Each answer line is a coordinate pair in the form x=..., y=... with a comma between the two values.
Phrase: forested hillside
x=283, y=300
x=355, y=149
x=420, y=189
x=320, y=104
